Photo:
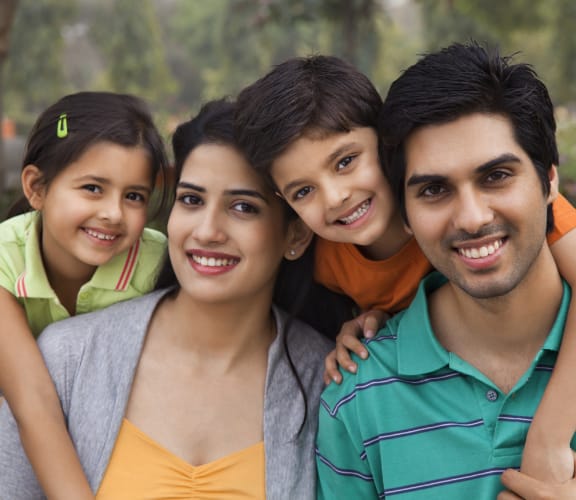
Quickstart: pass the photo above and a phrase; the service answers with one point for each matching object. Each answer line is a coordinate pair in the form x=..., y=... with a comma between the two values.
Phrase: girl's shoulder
x=17, y=229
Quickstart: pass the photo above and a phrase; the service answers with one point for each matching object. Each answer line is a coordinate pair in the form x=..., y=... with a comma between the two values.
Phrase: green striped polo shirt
x=128, y=275
x=418, y=422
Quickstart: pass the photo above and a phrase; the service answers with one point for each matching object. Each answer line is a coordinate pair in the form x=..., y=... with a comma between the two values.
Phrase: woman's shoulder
x=304, y=341
x=116, y=323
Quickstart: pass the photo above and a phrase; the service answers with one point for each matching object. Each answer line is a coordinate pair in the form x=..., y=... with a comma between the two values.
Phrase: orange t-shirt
x=142, y=468
x=391, y=284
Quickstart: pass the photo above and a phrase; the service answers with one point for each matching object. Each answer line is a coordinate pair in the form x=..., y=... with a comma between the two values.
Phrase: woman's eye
x=245, y=208
x=189, y=199
x=344, y=162
x=93, y=188
x=302, y=192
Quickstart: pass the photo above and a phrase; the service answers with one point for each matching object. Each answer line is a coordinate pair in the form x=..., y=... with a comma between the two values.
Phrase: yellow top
x=142, y=469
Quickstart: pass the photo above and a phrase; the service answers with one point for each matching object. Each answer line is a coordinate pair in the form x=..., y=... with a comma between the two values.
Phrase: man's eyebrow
x=431, y=178
x=234, y=192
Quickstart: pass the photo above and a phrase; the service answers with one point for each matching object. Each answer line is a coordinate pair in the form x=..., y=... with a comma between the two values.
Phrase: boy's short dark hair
x=460, y=80
x=316, y=95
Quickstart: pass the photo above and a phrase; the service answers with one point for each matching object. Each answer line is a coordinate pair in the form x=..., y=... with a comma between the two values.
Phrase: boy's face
x=475, y=203
x=337, y=187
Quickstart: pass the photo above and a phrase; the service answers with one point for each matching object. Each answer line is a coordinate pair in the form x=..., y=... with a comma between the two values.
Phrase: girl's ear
x=32, y=186
x=299, y=237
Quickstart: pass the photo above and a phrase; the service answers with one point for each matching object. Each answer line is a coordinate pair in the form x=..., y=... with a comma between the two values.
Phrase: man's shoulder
x=381, y=365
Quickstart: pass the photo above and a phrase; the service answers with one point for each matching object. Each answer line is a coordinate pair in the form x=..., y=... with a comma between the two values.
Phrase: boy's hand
x=521, y=486
x=542, y=461
x=366, y=324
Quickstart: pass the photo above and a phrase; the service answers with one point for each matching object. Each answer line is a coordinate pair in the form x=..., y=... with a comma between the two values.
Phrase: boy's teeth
x=359, y=212
x=100, y=236
x=480, y=252
x=213, y=262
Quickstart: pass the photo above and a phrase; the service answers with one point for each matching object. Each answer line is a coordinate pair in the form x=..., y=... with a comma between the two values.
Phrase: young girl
x=204, y=389
x=311, y=125
x=89, y=171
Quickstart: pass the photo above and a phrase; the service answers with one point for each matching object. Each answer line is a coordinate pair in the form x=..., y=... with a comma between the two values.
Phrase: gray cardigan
x=92, y=359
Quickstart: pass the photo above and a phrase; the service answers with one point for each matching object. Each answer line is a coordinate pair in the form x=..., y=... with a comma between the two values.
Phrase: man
x=443, y=403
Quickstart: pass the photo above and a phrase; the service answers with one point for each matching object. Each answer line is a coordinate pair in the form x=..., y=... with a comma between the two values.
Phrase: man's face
x=475, y=203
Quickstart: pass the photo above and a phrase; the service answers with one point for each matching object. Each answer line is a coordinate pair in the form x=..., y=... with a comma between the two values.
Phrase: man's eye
x=497, y=175
x=432, y=190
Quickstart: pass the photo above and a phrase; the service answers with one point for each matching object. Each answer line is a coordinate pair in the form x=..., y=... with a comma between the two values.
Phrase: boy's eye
x=93, y=188
x=344, y=162
x=245, y=208
x=302, y=192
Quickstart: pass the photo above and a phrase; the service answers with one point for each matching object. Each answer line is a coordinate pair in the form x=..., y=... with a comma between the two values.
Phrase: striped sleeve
x=343, y=471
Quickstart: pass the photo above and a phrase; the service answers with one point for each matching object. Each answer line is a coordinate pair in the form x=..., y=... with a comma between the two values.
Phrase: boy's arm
x=342, y=473
x=547, y=454
x=365, y=324
x=29, y=391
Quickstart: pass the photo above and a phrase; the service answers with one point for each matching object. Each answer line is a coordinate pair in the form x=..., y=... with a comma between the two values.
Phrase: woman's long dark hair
x=295, y=290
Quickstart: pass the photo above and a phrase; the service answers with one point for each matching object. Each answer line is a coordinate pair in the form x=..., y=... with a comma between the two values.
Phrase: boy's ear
x=554, y=181
x=299, y=237
x=32, y=186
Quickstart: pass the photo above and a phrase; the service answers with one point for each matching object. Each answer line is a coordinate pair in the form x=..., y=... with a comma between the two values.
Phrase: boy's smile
x=336, y=185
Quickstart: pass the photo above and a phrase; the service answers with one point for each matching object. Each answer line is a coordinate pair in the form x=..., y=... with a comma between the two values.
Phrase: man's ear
x=554, y=183
x=32, y=186
x=299, y=237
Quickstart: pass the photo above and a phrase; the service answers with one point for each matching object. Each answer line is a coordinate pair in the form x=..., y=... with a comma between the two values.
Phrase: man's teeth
x=100, y=236
x=359, y=212
x=213, y=262
x=483, y=251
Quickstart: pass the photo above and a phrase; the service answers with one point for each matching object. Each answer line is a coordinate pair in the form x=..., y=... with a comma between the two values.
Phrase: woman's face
x=227, y=231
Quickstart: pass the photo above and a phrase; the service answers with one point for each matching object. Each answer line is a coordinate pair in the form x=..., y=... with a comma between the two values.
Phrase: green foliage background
x=180, y=53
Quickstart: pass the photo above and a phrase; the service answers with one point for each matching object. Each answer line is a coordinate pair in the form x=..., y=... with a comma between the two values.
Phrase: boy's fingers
x=331, y=373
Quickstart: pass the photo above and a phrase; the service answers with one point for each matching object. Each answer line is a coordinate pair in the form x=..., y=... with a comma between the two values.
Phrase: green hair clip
x=62, y=128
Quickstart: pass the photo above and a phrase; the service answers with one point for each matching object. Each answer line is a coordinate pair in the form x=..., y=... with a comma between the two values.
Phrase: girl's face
x=227, y=232
x=94, y=209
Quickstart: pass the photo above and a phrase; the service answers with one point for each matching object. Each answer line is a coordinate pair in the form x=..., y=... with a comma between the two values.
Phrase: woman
x=210, y=391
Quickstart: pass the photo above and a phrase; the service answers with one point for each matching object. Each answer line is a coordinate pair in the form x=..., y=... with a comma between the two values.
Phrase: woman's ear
x=32, y=186
x=553, y=177
x=299, y=237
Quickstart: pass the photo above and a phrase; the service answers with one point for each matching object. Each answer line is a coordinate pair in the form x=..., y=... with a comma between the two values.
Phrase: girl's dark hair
x=295, y=290
x=69, y=127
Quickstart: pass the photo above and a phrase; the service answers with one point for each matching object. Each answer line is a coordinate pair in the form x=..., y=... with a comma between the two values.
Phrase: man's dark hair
x=460, y=80
x=303, y=96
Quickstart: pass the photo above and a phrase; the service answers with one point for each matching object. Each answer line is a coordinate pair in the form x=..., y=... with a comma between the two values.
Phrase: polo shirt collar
x=419, y=352
x=33, y=282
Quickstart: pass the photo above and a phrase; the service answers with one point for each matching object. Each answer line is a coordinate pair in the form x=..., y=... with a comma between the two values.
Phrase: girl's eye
x=302, y=192
x=93, y=188
x=136, y=197
x=189, y=199
x=245, y=208
x=344, y=162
